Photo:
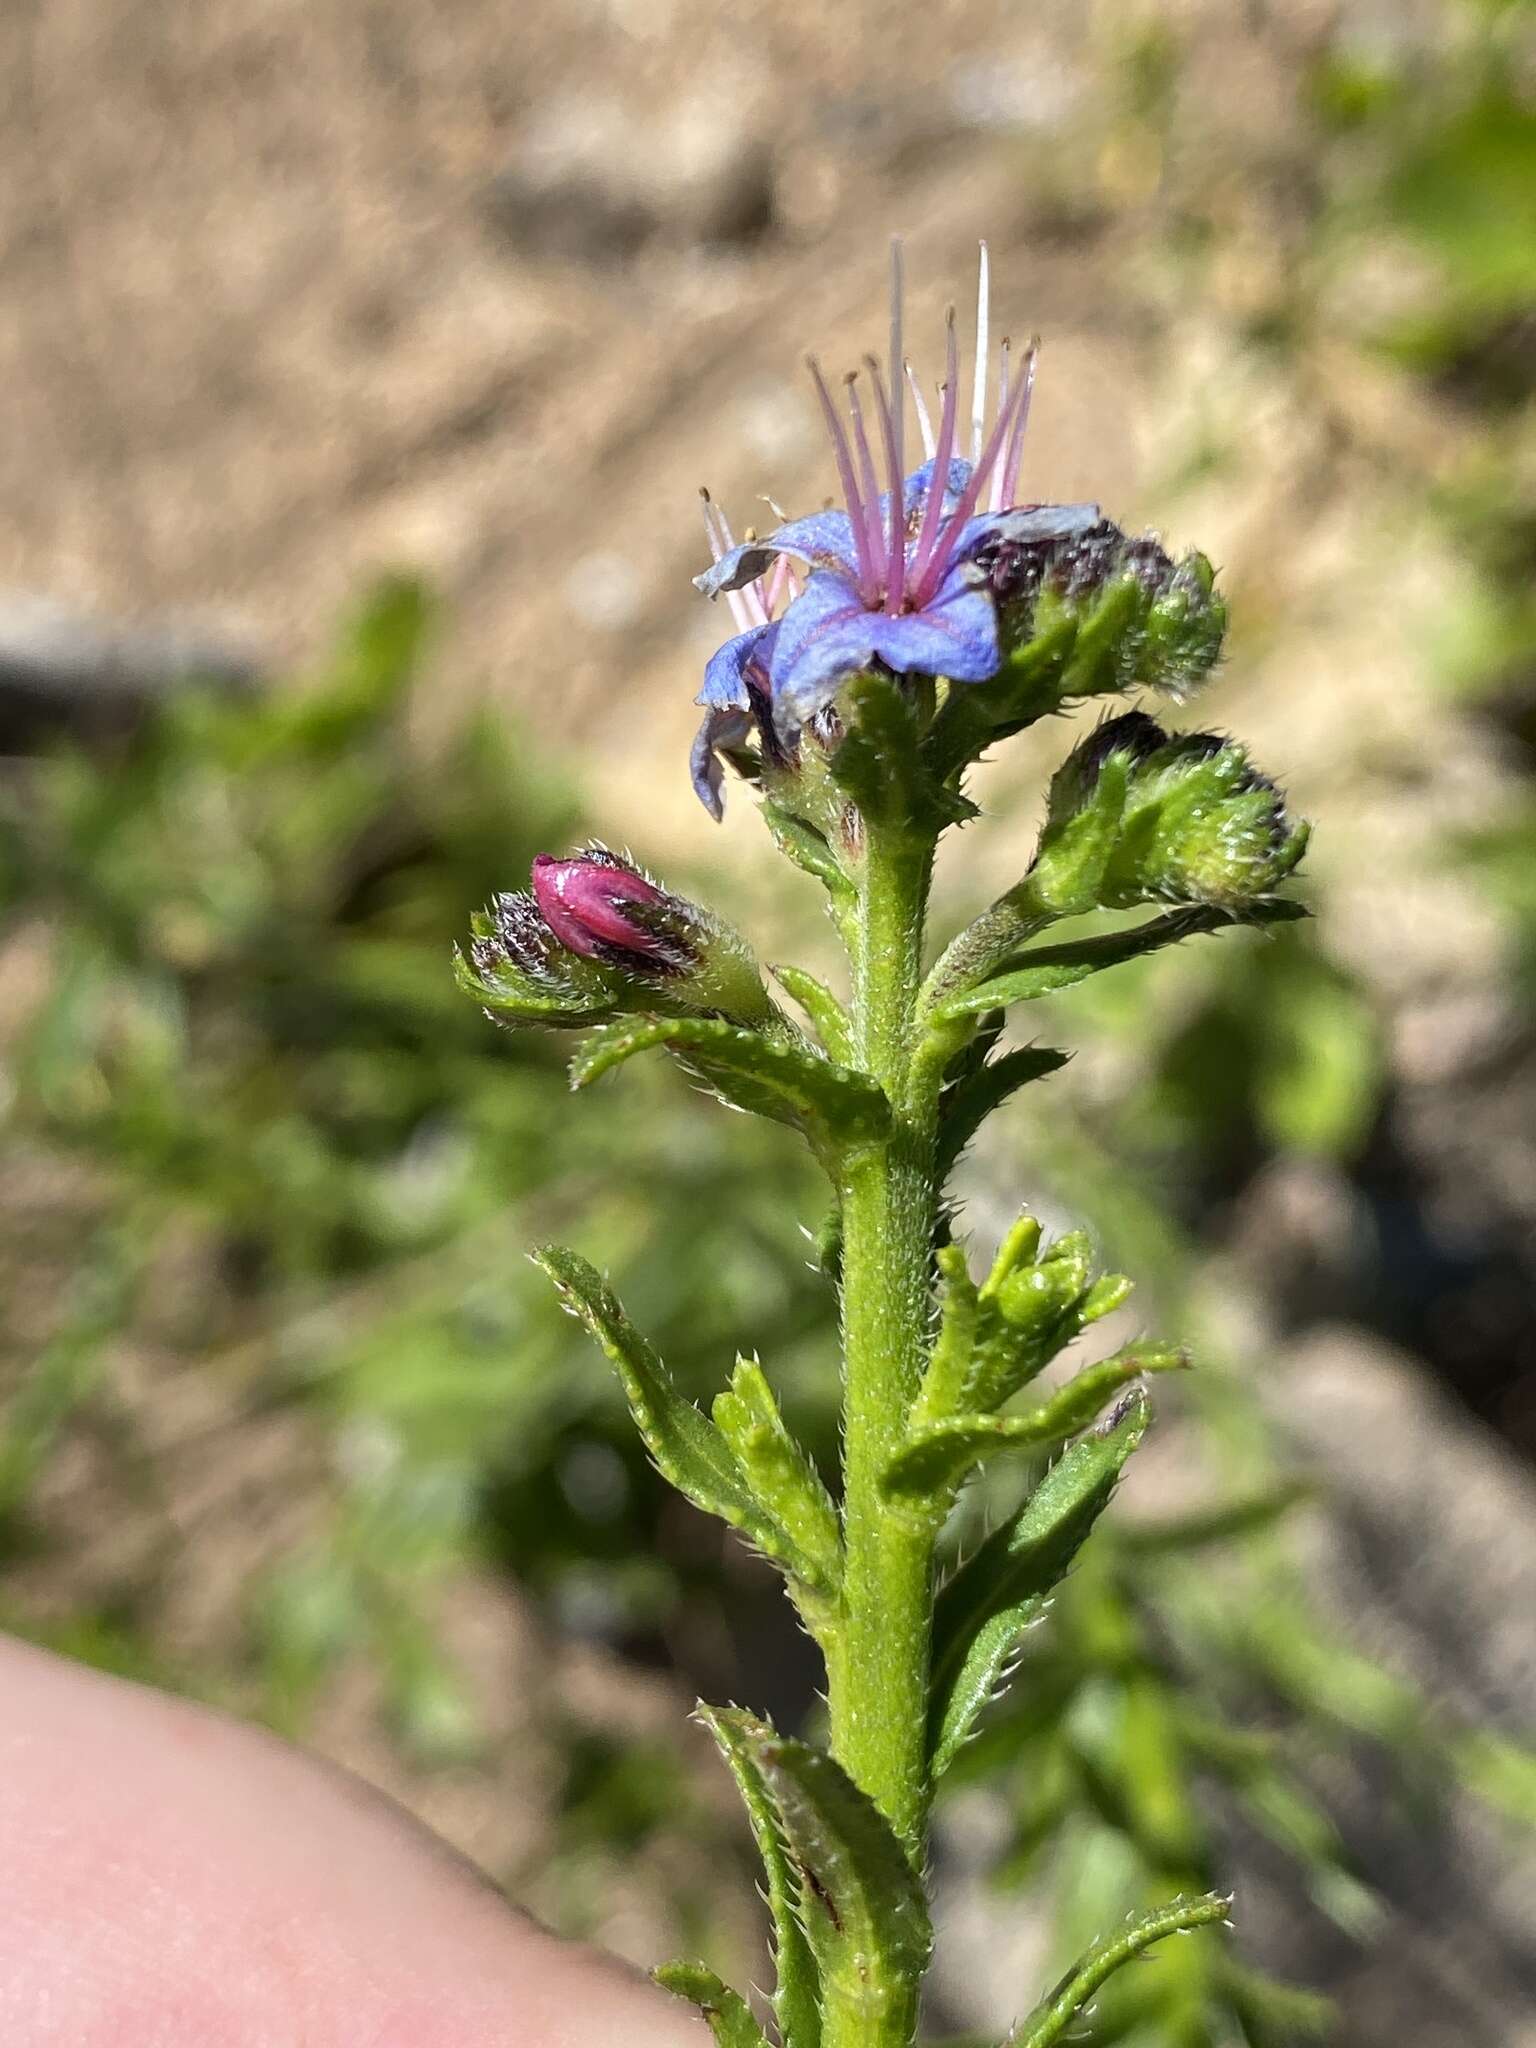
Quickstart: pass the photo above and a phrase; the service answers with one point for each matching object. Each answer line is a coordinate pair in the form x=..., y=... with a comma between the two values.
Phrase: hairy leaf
x=776, y=1078
x=808, y=849
x=779, y=1473
x=689, y=1451
x=823, y=1009
x=861, y=1902
x=992, y=1598
x=729, y=2016
x=936, y=1456
x=950, y=1360
x=1059, y=2008
x=1045, y=970
x=741, y=1738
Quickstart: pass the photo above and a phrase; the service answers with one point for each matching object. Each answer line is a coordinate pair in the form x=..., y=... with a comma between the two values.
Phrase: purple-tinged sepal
x=1202, y=825
x=1084, y=610
x=519, y=972
x=1136, y=615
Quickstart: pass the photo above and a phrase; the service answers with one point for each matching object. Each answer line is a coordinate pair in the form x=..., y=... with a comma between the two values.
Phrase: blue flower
x=891, y=579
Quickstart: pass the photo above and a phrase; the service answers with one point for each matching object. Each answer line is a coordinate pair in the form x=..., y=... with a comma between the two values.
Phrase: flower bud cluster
x=1119, y=609
x=595, y=937
x=1137, y=816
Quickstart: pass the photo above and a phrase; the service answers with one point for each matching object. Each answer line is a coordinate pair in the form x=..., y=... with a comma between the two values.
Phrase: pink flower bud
x=584, y=900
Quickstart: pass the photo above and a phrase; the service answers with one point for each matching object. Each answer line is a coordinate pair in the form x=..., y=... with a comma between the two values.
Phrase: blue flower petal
x=827, y=635
x=722, y=727
x=824, y=539
x=728, y=698
x=725, y=673
x=915, y=488
x=737, y=567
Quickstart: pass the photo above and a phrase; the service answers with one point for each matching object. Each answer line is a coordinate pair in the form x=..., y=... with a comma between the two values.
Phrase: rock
x=65, y=671
x=595, y=178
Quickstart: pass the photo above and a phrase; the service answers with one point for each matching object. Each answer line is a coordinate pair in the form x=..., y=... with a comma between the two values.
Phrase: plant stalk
x=878, y=1690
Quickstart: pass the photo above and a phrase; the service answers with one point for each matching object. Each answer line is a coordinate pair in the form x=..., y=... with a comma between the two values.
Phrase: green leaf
x=965, y=1108
x=880, y=763
x=937, y=1456
x=1020, y=1247
x=778, y=1471
x=861, y=1902
x=1033, y=1305
x=1061, y=2006
x=834, y=1107
x=741, y=1738
x=993, y=1597
x=808, y=849
x=823, y=1009
x=950, y=1360
x=689, y=1451
x=1046, y=970
x=729, y=2016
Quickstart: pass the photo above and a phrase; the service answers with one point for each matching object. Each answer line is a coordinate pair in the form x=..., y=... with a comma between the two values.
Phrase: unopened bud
x=1044, y=1300
x=601, y=908
x=597, y=938
x=1136, y=816
x=1202, y=825
x=1115, y=611
x=597, y=905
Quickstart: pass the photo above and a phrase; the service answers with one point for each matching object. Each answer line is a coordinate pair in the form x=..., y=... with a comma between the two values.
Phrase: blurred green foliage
x=303, y=1168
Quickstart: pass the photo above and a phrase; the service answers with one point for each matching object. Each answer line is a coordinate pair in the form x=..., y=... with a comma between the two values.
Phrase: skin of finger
x=173, y=1877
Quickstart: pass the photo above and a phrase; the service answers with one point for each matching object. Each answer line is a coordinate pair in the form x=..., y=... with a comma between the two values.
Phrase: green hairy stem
x=878, y=1687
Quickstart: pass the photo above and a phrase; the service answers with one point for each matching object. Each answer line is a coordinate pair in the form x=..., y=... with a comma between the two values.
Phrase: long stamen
x=1005, y=364
x=938, y=560
x=780, y=577
x=934, y=505
x=979, y=383
x=924, y=423
x=1015, y=456
x=896, y=553
x=707, y=505
x=876, y=537
x=891, y=416
x=717, y=530
x=851, y=497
